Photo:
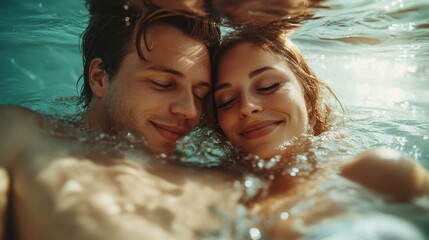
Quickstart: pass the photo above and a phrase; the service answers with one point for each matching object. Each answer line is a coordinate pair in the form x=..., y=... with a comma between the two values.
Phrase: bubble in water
x=252, y=186
x=40, y=5
x=261, y=164
x=255, y=234
x=398, y=143
x=273, y=162
x=127, y=21
x=248, y=183
x=294, y=171
x=416, y=152
x=284, y=216
x=301, y=158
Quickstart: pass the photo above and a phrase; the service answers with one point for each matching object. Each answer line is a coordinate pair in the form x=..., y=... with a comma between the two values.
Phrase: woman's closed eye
x=223, y=104
x=271, y=88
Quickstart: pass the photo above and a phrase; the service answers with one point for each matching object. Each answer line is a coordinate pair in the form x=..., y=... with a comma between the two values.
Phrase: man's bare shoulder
x=71, y=189
x=18, y=125
x=14, y=114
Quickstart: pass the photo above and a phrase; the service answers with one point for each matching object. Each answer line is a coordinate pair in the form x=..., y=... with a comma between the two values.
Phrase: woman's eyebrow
x=258, y=71
x=222, y=86
x=252, y=74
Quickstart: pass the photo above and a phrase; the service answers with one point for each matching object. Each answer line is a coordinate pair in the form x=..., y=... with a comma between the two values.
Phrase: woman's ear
x=98, y=78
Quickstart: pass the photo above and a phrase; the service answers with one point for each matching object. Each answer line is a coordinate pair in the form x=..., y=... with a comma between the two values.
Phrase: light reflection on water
x=374, y=55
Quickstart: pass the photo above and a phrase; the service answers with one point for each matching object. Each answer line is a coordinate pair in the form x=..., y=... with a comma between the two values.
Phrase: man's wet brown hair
x=116, y=28
x=273, y=38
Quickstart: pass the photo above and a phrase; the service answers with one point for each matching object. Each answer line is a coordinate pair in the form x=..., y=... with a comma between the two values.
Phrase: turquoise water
x=373, y=53
x=40, y=56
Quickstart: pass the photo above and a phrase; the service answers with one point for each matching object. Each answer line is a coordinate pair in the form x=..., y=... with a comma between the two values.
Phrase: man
x=146, y=72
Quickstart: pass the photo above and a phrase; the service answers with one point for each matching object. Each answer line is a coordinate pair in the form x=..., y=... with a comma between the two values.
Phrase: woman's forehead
x=246, y=57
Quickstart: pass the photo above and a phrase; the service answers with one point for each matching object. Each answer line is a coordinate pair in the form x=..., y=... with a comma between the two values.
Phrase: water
x=373, y=53
x=40, y=59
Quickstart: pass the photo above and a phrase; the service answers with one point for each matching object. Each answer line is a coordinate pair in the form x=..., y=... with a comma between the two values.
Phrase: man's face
x=161, y=98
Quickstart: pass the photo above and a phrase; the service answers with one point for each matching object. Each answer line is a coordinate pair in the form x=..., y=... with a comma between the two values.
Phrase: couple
x=149, y=72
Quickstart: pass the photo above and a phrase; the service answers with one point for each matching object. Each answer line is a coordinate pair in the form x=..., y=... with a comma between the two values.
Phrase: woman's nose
x=249, y=105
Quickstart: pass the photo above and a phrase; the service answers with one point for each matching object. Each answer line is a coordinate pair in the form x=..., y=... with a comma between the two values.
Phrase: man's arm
x=388, y=172
x=4, y=189
x=17, y=124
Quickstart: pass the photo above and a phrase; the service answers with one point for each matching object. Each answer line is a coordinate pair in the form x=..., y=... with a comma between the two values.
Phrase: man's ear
x=98, y=78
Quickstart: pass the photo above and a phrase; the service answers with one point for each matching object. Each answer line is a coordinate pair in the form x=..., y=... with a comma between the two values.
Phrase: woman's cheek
x=225, y=121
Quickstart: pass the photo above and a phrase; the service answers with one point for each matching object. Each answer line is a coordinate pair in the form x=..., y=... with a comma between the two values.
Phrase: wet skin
x=160, y=99
x=260, y=102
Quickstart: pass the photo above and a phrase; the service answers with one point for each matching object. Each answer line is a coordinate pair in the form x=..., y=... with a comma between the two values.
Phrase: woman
x=266, y=97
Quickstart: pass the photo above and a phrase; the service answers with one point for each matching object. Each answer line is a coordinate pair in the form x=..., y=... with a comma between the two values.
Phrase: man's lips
x=171, y=133
x=259, y=129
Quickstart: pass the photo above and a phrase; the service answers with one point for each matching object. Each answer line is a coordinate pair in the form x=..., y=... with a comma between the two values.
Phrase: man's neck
x=95, y=118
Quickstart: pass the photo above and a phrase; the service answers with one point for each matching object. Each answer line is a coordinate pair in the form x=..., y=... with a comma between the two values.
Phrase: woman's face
x=260, y=102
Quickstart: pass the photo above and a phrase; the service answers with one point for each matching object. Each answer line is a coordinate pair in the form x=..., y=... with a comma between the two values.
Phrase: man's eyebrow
x=165, y=70
x=258, y=71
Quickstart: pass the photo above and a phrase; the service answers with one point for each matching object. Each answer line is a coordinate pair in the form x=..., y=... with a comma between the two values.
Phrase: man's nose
x=249, y=105
x=184, y=105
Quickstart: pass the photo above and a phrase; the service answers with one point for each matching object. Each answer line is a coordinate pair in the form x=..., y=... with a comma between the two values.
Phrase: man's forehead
x=163, y=40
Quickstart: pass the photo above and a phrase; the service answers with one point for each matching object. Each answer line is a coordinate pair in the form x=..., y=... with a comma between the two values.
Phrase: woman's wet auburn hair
x=273, y=38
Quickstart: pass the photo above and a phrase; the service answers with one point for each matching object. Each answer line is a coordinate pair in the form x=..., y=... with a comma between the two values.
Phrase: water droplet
x=248, y=183
x=284, y=216
x=255, y=234
x=301, y=158
x=251, y=186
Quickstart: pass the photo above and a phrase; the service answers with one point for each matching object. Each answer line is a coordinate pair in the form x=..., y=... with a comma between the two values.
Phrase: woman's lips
x=171, y=133
x=259, y=129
